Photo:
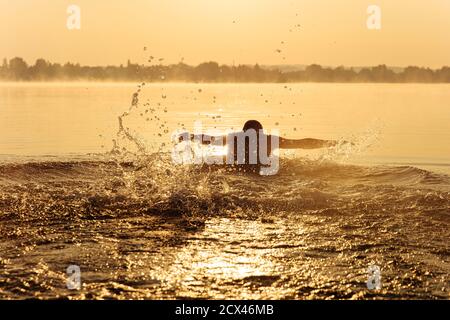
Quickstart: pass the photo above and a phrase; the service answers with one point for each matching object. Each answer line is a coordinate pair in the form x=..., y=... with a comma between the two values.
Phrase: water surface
x=140, y=227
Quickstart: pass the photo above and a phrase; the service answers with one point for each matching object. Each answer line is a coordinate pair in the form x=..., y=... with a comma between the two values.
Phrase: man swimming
x=252, y=149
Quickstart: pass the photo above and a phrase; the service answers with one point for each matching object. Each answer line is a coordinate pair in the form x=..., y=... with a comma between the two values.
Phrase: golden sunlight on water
x=226, y=253
x=394, y=123
x=140, y=227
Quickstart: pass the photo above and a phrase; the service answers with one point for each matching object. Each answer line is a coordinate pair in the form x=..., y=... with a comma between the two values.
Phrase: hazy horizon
x=282, y=66
x=17, y=69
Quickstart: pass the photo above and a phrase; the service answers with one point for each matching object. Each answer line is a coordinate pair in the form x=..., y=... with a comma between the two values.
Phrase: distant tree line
x=17, y=69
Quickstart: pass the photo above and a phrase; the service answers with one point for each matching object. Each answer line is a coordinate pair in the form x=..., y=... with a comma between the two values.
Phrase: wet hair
x=252, y=124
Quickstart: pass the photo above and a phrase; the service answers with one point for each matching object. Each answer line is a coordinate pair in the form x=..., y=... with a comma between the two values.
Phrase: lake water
x=140, y=227
x=392, y=123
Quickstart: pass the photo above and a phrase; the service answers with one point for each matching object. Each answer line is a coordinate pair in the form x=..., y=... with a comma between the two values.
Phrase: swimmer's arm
x=203, y=138
x=307, y=143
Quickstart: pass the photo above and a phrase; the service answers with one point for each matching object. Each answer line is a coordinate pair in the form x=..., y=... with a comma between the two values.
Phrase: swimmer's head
x=252, y=124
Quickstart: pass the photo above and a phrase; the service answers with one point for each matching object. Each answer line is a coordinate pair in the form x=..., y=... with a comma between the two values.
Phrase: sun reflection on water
x=226, y=255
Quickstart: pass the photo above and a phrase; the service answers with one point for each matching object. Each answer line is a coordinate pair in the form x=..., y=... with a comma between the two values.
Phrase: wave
x=125, y=218
x=98, y=189
x=94, y=165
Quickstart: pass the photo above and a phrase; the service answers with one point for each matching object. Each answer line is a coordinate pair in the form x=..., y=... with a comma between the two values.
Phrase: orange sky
x=414, y=32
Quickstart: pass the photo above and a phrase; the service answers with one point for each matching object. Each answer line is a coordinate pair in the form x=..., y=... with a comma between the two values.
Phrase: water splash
x=355, y=145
